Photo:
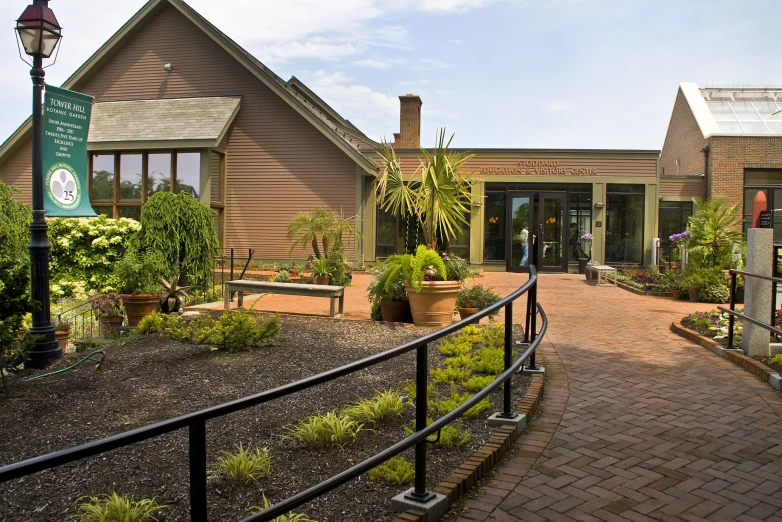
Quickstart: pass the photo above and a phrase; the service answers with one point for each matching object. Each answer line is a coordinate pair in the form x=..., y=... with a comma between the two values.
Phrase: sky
x=496, y=73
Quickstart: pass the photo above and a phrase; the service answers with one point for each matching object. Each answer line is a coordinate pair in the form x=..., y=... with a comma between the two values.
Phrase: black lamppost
x=39, y=33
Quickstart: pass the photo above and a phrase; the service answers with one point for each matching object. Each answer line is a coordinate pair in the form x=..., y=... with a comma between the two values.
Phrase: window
x=494, y=227
x=397, y=235
x=217, y=192
x=769, y=182
x=625, y=224
x=579, y=223
x=121, y=183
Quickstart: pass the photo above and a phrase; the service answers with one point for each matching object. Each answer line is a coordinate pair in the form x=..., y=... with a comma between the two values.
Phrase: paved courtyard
x=637, y=423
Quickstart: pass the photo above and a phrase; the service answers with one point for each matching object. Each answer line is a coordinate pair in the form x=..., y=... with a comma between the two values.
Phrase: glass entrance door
x=519, y=245
x=551, y=227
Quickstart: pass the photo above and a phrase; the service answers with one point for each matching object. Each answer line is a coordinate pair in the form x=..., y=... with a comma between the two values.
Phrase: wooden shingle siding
x=693, y=189
x=278, y=164
x=18, y=172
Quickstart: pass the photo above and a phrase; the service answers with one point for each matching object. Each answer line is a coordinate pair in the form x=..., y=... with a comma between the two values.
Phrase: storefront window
x=625, y=224
x=399, y=236
x=103, y=177
x=130, y=167
x=188, y=173
x=770, y=183
x=494, y=227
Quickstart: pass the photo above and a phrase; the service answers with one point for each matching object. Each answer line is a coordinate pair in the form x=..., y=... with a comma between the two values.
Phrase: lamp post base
x=44, y=352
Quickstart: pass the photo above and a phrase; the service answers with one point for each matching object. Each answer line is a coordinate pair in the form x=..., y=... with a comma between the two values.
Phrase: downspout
x=705, y=151
x=363, y=208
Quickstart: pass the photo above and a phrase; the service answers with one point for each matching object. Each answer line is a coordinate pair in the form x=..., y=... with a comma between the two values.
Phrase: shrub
x=339, y=275
x=410, y=391
x=395, y=470
x=777, y=359
x=714, y=294
x=460, y=361
x=283, y=276
x=290, y=517
x=490, y=361
x=84, y=251
x=456, y=399
x=235, y=331
x=382, y=408
x=113, y=507
x=140, y=273
x=244, y=466
x=451, y=437
x=477, y=383
x=457, y=269
x=377, y=292
x=477, y=296
x=454, y=348
x=324, y=431
x=449, y=374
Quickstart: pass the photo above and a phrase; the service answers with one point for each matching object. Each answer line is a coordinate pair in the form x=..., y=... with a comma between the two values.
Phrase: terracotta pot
x=396, y=311
x=693, y=293
x=464, y=313
x=108, y=325
x=138, y=306
x=322, y=280
x=62, y=338
x=676, y=294
x=433, y=305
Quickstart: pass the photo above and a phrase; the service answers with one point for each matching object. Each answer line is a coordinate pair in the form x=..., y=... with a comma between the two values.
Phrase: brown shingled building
x=211, y=119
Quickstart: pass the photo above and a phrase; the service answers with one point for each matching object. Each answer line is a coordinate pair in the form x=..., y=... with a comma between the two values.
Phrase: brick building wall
x=409, y=135
x=730, y=155
x=684, y=141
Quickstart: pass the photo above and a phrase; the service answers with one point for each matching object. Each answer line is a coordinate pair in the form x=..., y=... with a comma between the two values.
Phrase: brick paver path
x=637, y=423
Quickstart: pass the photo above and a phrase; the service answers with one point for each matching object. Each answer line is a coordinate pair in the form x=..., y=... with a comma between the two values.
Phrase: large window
x=494, y=227
x=579, y=223
x=768, y=182
x=121, y=183
x=625, y=224
x=397, y=235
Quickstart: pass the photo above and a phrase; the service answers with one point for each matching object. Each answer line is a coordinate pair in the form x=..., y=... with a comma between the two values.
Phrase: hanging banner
x=66, y=124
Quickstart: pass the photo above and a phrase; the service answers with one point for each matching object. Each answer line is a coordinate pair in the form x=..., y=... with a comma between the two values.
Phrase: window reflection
x=103, y=177
x=159, y=173
x=188, y=173
x=494, y=227
x=624, y=224
x=130, y=174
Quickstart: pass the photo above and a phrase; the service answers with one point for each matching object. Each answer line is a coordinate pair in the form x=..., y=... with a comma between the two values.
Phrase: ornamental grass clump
x=384, y=407
x=395, y=470
x=290, y=517
x=324, y=431
x=244, y=466
x=478, y=382
x=456, y=399
x=489, y=361
x=450, y=436
x=455, y=348
x=460, y=361
x=449, y=374
x=116, y=508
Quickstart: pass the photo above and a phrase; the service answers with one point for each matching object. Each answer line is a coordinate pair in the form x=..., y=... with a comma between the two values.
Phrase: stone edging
x=480, y=463
x=737, y=357
x=638, y=291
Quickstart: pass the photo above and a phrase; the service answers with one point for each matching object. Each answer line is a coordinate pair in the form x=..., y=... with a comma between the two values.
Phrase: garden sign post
x=66, y=123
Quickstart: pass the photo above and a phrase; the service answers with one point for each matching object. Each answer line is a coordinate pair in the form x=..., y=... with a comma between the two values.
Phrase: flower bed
x=714, y=325
x=647, y=281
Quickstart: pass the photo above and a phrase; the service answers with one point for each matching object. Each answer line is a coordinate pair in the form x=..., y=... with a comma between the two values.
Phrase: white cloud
x=306, y=49
x=452, y=5
x=425, y=64
x=373, y=64
x=559, y=106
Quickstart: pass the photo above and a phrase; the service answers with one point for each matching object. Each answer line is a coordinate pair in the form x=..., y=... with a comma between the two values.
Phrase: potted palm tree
x=140, y=275
x=322, y=270
x=438, y=195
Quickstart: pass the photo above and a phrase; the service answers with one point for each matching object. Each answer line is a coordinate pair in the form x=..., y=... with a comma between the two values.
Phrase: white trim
x=700, y=110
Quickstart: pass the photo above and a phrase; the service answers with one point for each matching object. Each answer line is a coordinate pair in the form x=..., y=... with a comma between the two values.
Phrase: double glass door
x=540, y=216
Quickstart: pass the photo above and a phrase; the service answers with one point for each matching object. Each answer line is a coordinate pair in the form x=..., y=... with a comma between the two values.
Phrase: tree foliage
x=714, y=230
x=438, y=193
x=180, y=227
x=307, y=228
x=412, y=268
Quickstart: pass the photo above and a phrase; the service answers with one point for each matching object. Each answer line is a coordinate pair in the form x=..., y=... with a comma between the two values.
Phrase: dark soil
x=704, y=331
x=151, y=379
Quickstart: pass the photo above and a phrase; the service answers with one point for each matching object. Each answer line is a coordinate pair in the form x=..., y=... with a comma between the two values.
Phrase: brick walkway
x=637, y=423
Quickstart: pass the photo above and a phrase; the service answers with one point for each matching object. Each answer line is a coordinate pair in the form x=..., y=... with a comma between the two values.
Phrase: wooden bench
x=602, y=275
x=259, y=287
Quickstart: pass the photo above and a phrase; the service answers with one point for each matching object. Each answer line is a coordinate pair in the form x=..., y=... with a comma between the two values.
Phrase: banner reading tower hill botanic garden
x=66, y=124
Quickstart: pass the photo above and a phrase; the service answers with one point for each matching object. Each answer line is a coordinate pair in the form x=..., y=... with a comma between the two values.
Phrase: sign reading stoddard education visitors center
x=66, y=123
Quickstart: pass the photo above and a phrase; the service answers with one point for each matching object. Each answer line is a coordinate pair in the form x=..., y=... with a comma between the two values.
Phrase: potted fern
x=322, y=270
x=389, y=298
x=139, y=275
x=439, y=195
x=472, y=299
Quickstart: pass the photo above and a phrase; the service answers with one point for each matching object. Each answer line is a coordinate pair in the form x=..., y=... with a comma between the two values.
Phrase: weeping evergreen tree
x=180, y=227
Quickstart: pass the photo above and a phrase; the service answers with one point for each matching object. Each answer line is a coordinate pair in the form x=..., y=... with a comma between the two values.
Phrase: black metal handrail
x=732, y=313
x=196, y=421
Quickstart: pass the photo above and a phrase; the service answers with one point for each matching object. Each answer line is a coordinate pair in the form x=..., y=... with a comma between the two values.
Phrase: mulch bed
x=152, y=379
x=704, y=331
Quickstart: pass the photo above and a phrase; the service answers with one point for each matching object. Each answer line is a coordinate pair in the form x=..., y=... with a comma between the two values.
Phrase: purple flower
x=587, y=237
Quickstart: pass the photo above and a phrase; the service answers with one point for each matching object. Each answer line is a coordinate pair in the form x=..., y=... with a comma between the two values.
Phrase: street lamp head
x=38, y=29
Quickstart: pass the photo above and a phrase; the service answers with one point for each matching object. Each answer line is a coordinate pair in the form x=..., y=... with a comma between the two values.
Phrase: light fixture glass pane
x=103, y=177
x=159, y=173
x=31, y=39
x=130, y=177
x=188, y=173
x=49, y=43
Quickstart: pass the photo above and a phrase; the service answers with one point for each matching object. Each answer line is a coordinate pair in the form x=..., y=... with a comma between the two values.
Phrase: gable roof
x=735, y=110
x=320, y=121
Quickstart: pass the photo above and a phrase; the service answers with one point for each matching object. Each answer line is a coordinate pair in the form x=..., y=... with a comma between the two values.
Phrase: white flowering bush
x=84, y=251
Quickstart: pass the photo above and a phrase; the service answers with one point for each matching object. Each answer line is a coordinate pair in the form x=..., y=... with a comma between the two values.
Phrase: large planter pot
x=62, y=339
x=693, y=293
x=433, y=305
x=676, y=294
x=322, y=280
x=138, y=306
x=582, y=264
x=110, y=325
x=396, y=311
x=464, y=313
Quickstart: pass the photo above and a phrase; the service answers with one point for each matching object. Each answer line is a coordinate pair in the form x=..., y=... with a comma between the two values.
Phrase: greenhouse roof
x=736, y=110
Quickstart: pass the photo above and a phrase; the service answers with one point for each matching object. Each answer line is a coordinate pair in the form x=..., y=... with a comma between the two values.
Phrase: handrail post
x=419, y=492
x=527, y=320
x=197, y=443
x=774, y=288
x=731, y=319
x=533, y=334
x=507, y=412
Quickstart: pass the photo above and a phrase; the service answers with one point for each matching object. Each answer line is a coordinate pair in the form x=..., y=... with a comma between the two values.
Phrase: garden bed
x=640, y=291
x=151, y=379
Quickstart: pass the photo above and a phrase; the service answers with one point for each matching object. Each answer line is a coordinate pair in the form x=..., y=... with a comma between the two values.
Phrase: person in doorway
x=573, y=241
x=524, y=237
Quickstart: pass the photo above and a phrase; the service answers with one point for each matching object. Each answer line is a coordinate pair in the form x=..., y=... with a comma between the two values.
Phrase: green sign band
x=66, y=125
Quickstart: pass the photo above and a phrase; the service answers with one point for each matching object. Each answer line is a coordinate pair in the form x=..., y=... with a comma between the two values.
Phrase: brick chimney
x=409, y=136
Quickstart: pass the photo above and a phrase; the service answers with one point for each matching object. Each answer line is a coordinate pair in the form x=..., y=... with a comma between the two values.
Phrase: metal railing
x=195, y=422
x=733, y=314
